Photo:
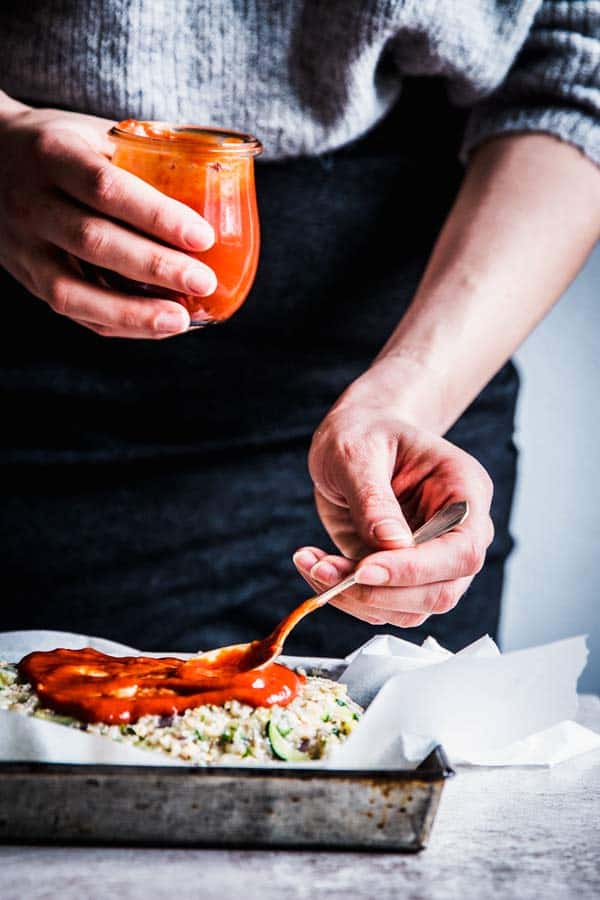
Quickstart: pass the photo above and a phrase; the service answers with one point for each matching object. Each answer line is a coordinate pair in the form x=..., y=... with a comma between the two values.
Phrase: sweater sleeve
x=554, y=83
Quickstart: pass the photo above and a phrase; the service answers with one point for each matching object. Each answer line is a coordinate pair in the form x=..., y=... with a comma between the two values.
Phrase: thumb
x=374, y=508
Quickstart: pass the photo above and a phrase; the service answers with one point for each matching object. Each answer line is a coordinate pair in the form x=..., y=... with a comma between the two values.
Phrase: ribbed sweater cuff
x=489, y=120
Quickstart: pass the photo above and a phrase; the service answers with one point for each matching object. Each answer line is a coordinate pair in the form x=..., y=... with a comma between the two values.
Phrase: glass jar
x=213, y=172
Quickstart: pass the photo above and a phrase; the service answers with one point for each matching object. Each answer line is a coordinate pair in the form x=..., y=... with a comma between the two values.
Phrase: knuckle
x=90, y=238
x=156, y=268
x=103, y=185
x=345, y=447
x=370, y=596
x=158, y=220
x=472, y=558
x=47, y=142
x=349, y=447
x=444, y=599
x=59, y=296
x=130, y=320
x=410, y=572
x=368, y=496
x=483, y=479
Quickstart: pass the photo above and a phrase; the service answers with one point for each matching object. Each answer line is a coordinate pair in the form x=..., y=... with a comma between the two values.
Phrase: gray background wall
x=553, y=579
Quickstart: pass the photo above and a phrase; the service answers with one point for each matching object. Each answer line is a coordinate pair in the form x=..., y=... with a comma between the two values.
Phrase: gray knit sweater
x=309, y=76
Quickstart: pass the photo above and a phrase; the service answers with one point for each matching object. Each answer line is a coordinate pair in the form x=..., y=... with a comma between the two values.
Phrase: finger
x=77, y=169
x=365, y=481
x=105, y=331
x=353, y=603
x=455, y=555
x=305, y=559
x=371, y=617
x=436, y=597
x=322, y=571
x=404, y=612
x=461, y=553
x=362, y=614
x=328, y=569
x=428, y=599
x=113, y=247
x=68, y=295
x=391, y=617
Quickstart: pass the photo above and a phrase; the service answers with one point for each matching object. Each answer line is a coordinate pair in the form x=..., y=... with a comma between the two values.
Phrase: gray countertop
x=503, y=833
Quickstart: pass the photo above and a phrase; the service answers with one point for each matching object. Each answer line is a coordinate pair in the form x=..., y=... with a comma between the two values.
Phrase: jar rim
x=188, y=138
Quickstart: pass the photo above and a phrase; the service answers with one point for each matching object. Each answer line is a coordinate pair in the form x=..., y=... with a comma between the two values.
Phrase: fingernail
x=171, y=321
x=325, y=572
x=200, y=282
x=391, y=530
x=372, y=574
x=199, y=237
x=304, y=559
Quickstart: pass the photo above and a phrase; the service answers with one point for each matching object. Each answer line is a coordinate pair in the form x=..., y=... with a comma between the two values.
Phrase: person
x=429, y=188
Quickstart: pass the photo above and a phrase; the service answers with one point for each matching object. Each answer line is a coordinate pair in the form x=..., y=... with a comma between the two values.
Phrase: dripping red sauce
x=94, y=687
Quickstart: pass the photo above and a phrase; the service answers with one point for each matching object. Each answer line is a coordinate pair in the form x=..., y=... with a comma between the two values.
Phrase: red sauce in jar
x=211, y=170
x=95, y=687
x=165, y=132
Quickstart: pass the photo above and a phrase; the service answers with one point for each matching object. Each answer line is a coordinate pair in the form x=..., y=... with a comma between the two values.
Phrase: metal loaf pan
x=221, y=806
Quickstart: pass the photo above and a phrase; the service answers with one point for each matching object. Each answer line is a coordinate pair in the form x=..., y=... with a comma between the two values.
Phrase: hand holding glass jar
x=62, y=200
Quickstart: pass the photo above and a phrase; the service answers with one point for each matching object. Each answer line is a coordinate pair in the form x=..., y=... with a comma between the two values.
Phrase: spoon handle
x=443, y=520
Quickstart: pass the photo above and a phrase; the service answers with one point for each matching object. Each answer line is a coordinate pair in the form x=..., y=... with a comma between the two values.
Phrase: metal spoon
x=256, y=654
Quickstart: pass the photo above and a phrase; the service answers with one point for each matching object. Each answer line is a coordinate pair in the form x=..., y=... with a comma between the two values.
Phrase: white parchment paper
x=486, y=708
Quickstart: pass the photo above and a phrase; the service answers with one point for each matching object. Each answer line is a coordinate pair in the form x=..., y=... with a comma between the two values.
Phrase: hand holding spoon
x=256, y=654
